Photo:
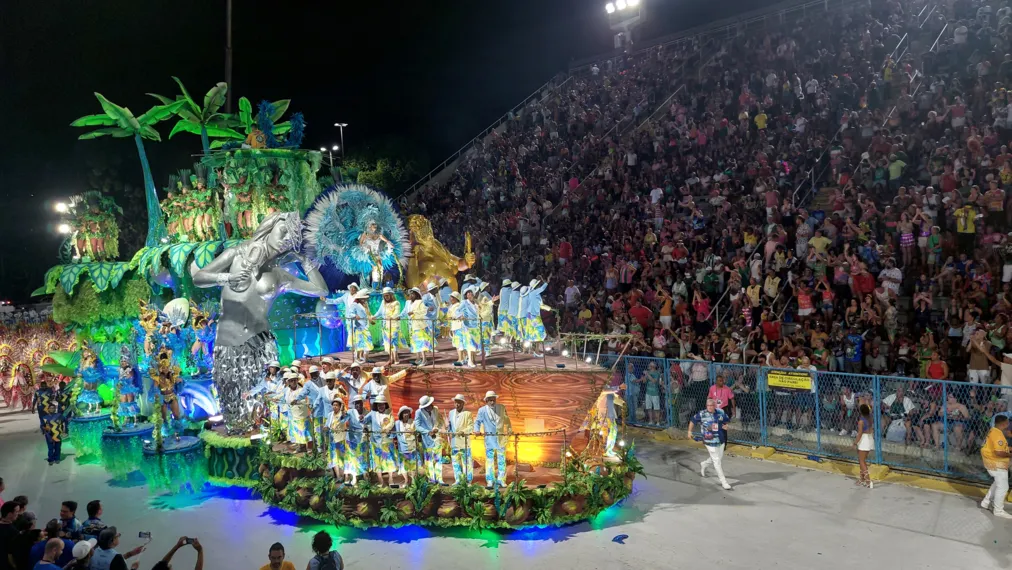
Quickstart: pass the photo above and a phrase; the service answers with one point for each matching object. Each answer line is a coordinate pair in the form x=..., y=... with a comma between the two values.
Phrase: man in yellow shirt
x=995, y=456
x=966, y=227
x=276, y=555
x=760, y=120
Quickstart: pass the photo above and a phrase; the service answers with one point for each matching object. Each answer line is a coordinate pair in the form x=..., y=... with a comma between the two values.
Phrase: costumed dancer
x=354, y=380
x=128, y=409
x=373, y=242
x=389, y=315
x=602, y=423
x=165, y=376
x=319, y=404
x=459, y=337
x=443, y=298
x=53, y=406
x=503, y=314
x=485, y=312
x=379, y=424
x=534, y=329
x=472, y=323
x=315, y=376
x=353, y=460
x=432, y=315
x=492, y=419
x=272, y=387
x=299, y=399
x=337, y=435
x=407, y=448
x=342, y=299
x=514, y=332
x=251, y=277
x=357, y=318
x=421, y=335
x=460, y=423
x=427, y=424
x=91, y=375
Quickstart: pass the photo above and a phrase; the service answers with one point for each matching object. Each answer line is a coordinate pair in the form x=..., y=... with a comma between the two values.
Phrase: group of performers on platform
x=325, y=409
x=436, y=311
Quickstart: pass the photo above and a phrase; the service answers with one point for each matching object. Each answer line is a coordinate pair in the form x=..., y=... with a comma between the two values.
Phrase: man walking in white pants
x=995, y=456
x=711, y=422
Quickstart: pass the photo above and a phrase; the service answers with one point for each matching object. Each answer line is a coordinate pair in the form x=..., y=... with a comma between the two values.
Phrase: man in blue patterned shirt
x=711, y=422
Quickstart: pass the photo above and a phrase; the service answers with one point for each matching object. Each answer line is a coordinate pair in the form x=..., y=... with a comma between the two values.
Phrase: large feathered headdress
x=336, y=221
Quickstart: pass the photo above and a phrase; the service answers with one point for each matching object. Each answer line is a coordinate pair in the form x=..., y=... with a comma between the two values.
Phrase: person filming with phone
x=166, y=562
x=105, y=556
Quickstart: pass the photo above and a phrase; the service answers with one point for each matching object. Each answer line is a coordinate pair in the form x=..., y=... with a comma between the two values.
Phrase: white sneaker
x=1002, y=515
x=702, y=469
x=726, y=486
x=985, y=504
x=842, y=432
x=853, y=433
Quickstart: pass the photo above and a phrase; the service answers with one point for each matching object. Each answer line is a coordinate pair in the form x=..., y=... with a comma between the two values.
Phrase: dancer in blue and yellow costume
x=502, y=323
x=357, y=322
x=530, y=311
x=493, y=421
x=463, y=317
x=460, y=423
x=421, y=334
x=427, y=424
x=407, y=444
x=273, y=389
x=337, y=438
x=378, y=424
x=299, y=400
x=513, y=331
x=485, y=312
x=432, y=313
x=165, y=375
x=354, y=464
x=53, y=406
x=389, y=315
x=92, y=373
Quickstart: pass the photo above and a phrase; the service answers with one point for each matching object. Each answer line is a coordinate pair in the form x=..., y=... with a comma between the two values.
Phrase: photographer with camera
x=105, y=557
x=165, y=562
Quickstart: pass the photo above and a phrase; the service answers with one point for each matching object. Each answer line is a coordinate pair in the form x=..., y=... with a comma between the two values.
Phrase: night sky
x=436, y=73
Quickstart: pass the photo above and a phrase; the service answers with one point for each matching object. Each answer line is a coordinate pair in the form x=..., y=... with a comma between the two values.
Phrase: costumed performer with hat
x=513, y=321
x=421, y=334
x=389, y=315
x=492, y=419
x=531, y=305
x=407, y=448
x=337, y=435
x=485, y=313
x=272, y=387
x=299, y=400
x=427, y=424
x=357, y=317
x=379, y=424
x=376, y=386
x=432, y=314
x=353, y=464
x=460, y=423
x=503, y=313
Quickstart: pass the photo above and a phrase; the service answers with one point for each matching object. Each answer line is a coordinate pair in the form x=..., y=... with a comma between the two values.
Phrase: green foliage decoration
x=88, y=307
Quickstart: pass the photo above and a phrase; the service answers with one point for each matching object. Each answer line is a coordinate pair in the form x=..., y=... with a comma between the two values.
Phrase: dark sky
x=436, y=73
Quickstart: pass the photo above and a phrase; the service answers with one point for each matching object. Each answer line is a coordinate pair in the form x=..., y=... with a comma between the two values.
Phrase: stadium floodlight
x=63, y=228
x=323, y=149
x=61, y=207
x=335, y=148
x=633, y=3
x=620, y=4
x=609, y=7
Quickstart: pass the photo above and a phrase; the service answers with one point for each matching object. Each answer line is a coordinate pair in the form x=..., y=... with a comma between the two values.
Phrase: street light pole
x=341, y=126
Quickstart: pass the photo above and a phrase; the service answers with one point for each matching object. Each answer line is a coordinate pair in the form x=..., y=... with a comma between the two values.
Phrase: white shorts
x=805, y=312
x=1006, y=273
x=866, y=443
x=666, y=321
x=979, y=376
x=652, y=402
x=922, y=241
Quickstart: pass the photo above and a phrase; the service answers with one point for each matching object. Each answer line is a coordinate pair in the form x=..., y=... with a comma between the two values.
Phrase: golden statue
x=430, y=258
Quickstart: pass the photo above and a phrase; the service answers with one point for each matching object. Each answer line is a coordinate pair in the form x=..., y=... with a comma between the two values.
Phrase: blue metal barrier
x=933, y=426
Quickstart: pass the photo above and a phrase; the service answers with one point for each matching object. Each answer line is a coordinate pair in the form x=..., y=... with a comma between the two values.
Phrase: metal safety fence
x=934, y=426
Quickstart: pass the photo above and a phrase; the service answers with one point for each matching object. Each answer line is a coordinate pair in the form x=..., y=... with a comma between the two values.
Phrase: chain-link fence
x=933, y=426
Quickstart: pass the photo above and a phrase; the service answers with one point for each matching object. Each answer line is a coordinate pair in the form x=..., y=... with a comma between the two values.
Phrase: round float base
x=143, y=430
x=170, y=445
x=86, y=435
x=122, y=449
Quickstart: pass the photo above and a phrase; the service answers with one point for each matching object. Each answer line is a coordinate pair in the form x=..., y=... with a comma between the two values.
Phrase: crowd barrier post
x=876, y=389
x=818, y=417
x=945, y=427
x=762, y=389
x=671, y=394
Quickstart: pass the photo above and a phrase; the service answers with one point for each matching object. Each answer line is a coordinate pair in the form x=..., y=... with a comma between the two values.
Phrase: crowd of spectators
x=23, y=315
x=695, y=232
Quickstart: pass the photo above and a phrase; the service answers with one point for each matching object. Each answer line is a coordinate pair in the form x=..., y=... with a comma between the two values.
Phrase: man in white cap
x=407, y=440
x=378, y=425
x=532, y=305
x=515, y=333
x=314, y=375
x=427, y=422
x=82, y=552
x=354, y=379
x=492, y=419
x=300, y=401
x=326, y=364
x=421, y=335
x=460, y=423
x=375, y=386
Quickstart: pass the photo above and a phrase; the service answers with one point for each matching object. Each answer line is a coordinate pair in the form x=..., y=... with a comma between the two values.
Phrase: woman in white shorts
x=865, y=443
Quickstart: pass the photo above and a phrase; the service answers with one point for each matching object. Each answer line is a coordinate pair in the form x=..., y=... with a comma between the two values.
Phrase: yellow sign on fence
x=789, y=379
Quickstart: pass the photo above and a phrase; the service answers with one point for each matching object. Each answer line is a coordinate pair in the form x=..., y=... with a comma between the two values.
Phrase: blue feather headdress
x=336, y=221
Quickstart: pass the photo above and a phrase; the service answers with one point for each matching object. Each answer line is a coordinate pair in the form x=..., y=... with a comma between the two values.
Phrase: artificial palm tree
x=204, y=120
x=120, y=122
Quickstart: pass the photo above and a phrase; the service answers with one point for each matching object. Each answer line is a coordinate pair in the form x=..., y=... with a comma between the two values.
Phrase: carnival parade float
x=197, y=358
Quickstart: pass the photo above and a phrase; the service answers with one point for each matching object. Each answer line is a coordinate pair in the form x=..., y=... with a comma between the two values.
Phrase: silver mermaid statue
x=251, y=275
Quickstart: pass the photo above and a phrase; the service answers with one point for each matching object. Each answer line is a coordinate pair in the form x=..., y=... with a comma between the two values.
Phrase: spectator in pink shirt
x=723, y=395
